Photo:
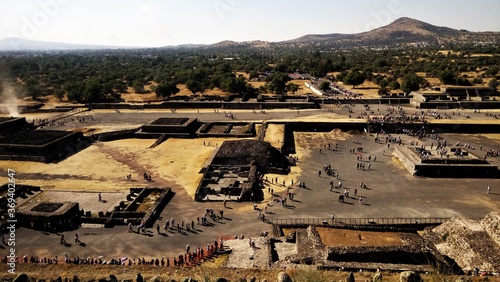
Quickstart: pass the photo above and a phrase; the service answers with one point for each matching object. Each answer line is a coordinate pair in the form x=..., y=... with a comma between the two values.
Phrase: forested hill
x=401, y=32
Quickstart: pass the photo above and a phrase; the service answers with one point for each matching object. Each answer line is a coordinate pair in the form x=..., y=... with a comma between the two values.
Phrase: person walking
x=488, y=189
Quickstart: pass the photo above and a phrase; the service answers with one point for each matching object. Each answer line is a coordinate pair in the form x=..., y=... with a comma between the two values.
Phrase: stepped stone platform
x=235, y=168
x=41, y=214
x=178, y=127
x=9, y=125
x=455, y=162
x=41, y=145
x=227, y=129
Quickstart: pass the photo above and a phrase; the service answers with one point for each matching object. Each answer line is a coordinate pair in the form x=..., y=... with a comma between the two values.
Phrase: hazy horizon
x=156, y=23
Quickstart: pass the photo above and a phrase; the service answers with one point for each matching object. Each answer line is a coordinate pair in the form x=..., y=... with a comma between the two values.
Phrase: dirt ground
x=275, y=135
x=167, y=163
x=332, y=237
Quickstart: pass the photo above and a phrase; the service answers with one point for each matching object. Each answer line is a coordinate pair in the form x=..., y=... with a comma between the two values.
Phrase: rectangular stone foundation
x=453, y=169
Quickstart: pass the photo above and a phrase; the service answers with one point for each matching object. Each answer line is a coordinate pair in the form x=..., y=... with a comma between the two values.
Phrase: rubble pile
x=472, y=244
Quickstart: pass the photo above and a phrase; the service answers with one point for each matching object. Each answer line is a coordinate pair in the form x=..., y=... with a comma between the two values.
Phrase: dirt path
x=139, y=169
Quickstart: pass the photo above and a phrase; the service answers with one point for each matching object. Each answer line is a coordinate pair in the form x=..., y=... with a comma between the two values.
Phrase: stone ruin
x=234, y=170
x=172, y=127
x=305, y=246
x=22, y=193
x=141, y=205
x=457, y=162
x=456, y=246
x=227, y=129
x=471, y=243
x=45, y=215
x=41, y=145
x=10, y=125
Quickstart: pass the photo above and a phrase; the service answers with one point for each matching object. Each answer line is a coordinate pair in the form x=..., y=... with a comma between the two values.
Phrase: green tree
x=75, y=90
x=411, y=82
x=166, y=89
x=383, y=83
x=93, y=91
x=354, y=78
x=493, y=83
x=277, y=82
x=492, y=71
x=34, y=91
x=394, y=85
x=447, y=77
x=383, y=91
x=59, y=94
x=120, y=87
x=292, y=87
x=138, y=87
x=194, y=86
x=324, y=85
x=462, y=81
x=477, y=80
x=340, y=76
x=233, y=85
x=253, y=75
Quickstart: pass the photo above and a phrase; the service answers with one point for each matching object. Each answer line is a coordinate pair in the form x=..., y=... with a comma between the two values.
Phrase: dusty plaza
x=357, y=164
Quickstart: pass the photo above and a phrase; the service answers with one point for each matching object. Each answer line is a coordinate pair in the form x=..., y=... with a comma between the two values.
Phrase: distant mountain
x=254, y=43
x=21, y=44
x=403, y=31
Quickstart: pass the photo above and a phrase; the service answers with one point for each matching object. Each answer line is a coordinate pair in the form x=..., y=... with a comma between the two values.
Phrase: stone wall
x=405, y=160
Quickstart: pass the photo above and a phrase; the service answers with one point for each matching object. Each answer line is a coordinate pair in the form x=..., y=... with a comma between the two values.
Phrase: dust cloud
x=8, y=99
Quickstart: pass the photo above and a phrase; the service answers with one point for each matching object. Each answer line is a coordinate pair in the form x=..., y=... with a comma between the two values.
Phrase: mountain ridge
x=402, y=31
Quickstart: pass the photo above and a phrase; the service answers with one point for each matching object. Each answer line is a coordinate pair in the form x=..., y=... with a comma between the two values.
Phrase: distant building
x=464, y=92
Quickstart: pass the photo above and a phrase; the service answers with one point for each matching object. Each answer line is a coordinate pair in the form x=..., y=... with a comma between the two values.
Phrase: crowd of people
x=190, y=257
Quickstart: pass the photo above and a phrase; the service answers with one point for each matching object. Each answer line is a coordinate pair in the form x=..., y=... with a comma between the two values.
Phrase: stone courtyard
x=390, y=192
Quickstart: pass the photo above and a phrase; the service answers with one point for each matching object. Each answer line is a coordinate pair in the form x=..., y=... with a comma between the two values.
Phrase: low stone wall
x=405, y=160
x=116, y=135
x=325, y=126
x=160, y=203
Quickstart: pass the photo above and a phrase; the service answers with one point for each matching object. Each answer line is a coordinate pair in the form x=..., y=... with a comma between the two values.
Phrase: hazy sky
x=152, y=23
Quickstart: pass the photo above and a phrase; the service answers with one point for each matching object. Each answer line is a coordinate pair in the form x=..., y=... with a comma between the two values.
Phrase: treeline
x=95, y=76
